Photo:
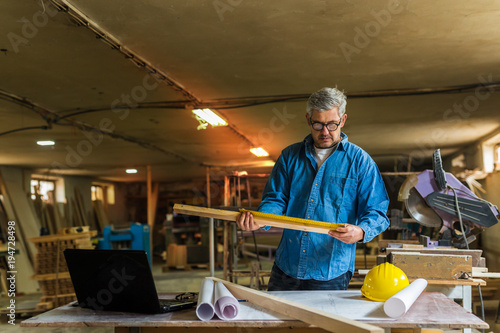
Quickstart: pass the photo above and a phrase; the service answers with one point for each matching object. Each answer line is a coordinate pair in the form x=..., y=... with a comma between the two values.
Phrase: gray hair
x=326, y=99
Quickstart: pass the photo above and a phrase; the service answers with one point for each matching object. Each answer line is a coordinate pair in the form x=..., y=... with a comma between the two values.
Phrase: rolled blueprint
x=226, y=305
x=399, y=304
x=205, y=308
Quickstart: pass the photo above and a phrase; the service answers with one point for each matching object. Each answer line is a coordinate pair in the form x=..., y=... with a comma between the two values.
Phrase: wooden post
x=208, y=187
x=307, y=314
x=152, y=198
x=249, y=193
x=227, y=191
x=211, y=231
x=225, y=248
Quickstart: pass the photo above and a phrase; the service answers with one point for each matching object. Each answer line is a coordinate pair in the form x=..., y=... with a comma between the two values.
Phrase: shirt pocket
x=342, y=190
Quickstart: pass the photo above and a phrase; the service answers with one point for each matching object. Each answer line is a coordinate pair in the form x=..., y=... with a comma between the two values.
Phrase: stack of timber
x=51, y=270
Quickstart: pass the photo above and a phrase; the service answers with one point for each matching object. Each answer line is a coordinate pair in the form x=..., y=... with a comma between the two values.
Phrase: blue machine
x=137, y=237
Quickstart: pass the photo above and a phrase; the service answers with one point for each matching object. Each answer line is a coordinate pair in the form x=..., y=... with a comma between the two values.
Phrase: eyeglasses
x=317, y=126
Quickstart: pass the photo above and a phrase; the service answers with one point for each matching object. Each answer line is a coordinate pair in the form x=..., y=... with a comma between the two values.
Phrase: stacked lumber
x=51, y=270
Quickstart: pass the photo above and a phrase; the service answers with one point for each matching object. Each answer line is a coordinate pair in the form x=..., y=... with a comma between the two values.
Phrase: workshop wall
x=491, y=236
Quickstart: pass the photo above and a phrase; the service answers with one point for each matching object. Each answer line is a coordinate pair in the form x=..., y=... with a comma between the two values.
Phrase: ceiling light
x=45, y=143
x=207, y=116
x=259, y=152
x=131, y=171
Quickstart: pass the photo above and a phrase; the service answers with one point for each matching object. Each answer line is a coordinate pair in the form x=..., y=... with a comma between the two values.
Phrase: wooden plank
x=429, y=310
x=479, y=270
x=102, y=219
x=80, y=207
x=152, y=200
x=76, y=219
x=55, y=238
x=307, y=314
x=413, y=246
x=17, y=208
x=460, y=282
x=475, y=254
x=486, y=275
x=227, y=215
x=57, y=213
x=51, y=276
x=384, y=243
x=432, y=266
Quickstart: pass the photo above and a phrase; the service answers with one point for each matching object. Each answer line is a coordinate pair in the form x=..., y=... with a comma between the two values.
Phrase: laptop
x=117, y=280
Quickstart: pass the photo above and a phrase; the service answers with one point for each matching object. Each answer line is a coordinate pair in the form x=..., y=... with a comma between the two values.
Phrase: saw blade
x=420, y=210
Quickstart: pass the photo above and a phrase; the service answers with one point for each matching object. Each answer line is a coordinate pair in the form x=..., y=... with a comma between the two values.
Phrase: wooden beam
x=209, y=202
x=307, y=314
x=227, y=215
x=152, y=200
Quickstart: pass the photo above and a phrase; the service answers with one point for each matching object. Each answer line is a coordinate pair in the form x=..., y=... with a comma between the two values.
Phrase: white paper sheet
x=205, y=308
x=399, y=304
x=225, y=304
x=349, y=303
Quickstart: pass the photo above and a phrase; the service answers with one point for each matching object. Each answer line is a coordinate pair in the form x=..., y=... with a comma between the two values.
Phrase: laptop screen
x=113, y=280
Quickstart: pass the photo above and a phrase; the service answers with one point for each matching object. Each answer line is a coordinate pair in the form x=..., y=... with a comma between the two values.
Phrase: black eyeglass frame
x=328, y=125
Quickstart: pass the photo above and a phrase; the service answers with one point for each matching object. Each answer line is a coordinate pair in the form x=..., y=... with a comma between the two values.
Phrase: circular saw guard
x=431, y=207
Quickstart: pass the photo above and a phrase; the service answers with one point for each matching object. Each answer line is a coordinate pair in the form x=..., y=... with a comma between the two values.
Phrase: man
x=324, y=178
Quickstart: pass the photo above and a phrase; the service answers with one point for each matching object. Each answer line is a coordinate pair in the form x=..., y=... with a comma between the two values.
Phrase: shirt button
x=315, y=184
x=308, y=217
x=305, y=233
x=312, y=200
x=304, y=251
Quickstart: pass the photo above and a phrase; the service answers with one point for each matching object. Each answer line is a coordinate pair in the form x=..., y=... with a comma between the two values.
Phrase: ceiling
x=113, y=82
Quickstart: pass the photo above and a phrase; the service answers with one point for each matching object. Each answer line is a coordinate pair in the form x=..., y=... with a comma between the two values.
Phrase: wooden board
x=491, y=275
x=429, y=310
x=384, y=243
x=227, y=215
x=475, y=254
x=17, y=208
x=307, y=314
x=432, y=266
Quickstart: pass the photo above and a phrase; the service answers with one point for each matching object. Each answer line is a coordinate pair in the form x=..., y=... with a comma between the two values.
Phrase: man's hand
x=348, y=234
x=245, y=222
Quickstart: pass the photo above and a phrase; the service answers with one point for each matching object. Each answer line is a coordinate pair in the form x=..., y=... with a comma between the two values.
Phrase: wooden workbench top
x=430, y=310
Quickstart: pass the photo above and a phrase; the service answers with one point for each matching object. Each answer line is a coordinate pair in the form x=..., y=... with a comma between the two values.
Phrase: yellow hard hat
x=383, y=281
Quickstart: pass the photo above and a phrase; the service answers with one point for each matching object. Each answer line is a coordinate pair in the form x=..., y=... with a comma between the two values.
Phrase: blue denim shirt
x=347, y=188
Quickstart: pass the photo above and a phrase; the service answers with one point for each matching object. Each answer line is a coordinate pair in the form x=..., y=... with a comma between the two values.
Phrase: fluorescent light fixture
x=259, y=152
x=207, y=116
x=45, y=143
x=131, y=171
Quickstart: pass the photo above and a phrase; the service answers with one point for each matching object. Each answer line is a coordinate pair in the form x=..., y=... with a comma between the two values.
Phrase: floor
x=173, y=281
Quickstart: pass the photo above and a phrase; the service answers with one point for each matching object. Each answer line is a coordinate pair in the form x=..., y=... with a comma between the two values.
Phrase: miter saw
x=438, y=199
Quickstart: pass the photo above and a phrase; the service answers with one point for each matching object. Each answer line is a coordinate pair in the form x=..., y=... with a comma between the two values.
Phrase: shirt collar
x=308, y=140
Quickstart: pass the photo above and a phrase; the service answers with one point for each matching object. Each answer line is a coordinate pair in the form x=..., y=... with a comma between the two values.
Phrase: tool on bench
x=438, y=199
x=263, y=219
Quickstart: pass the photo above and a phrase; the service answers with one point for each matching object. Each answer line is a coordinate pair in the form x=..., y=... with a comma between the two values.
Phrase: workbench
x=431, y=310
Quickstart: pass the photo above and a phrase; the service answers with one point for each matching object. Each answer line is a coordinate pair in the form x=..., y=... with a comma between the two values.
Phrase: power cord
x=481, y=300
x=457, y=207
x=459, y=214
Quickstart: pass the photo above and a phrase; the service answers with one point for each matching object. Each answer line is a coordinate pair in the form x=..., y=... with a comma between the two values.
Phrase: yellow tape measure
x=331, y=226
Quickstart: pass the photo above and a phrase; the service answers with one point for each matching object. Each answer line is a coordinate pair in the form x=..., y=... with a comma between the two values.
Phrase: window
x=104, y=192
x=41, y=188
x=97, y=193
